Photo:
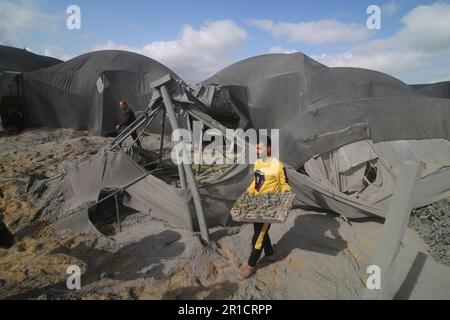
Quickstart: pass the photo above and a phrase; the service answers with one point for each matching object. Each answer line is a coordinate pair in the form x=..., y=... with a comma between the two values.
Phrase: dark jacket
x=127, y=119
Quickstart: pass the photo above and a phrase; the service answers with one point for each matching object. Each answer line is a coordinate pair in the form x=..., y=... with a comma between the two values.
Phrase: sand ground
x=319, y=256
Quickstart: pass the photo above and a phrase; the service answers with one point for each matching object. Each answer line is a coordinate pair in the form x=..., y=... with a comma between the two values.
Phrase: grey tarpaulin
x=109, y=171
x=434, y=90
x=5, y=80
x=14, y=59
x=219, y=195
x=318, y=109
x=113, y=170
x=83, y=93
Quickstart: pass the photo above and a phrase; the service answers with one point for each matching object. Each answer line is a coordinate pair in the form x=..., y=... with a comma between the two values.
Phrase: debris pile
x=433, y=225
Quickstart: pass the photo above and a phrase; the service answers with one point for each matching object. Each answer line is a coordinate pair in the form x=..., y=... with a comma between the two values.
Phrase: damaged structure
x=434, y=90
x=344, y=132
x=13, y=63
x=83, y=93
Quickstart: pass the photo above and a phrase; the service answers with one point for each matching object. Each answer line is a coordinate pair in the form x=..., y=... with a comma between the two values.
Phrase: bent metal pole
x=187, y=168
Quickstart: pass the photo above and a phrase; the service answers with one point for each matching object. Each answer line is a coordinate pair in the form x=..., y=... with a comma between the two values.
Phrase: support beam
x=174, y=124
x=394, y=228
x=143, y=130
x=187, y=167
x=161, y=145
x=147, y=113
x=197, y=137
x=117, y=212
x=145, y=118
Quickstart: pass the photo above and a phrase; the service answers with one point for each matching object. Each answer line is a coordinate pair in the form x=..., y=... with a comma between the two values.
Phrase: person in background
x=269, y=177
x=127, y=119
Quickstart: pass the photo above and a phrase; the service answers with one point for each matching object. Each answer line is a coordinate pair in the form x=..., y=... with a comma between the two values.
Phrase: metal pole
x=188, y=169
x=143, y=130
x=163, y=129
x=209, y=125
x=198, y=139
x=133, y=127
x=174, y=123
x=117, y=212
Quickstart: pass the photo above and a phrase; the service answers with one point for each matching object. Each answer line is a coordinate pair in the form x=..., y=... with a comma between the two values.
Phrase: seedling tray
x=267, y=208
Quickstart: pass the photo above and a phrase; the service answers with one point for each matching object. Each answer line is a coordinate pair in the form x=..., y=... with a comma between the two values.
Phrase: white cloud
x=416, y=53
x=280, y=49
x=427, y=28
x=19, y=18
x=388, y=62
x=391, y=8
x=314, y=32
x=196, y=53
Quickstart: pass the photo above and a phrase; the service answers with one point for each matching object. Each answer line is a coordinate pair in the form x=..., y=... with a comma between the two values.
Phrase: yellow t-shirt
x=270, y=177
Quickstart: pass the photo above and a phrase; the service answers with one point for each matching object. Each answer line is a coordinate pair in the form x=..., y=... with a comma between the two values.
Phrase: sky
x=199, y=38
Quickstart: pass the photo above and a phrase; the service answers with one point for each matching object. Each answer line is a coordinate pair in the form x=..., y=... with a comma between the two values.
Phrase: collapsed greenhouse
x=347, y=129
x=343, y=134
x=13, y=62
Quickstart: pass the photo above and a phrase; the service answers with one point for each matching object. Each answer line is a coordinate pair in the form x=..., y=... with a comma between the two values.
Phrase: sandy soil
x=319, y=256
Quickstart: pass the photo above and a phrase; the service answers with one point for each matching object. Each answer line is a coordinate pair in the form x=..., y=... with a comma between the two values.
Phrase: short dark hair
x=265, y=140
x=124, y=102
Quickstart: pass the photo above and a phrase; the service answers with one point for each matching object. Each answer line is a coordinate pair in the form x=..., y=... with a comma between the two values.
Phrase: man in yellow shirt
x=270, y=177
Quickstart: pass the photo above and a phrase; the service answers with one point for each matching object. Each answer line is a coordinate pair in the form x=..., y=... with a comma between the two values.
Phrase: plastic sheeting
x=435, y=90
x=434, y=153
x=354, y=154
x=319, y=109
x=389, y=156
x=114, y=170
x=5, y=81
x=14, y=59
x=83, y=93
x=111, y=171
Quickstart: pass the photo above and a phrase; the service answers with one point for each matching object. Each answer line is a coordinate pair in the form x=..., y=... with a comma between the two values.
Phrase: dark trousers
x=260, y=241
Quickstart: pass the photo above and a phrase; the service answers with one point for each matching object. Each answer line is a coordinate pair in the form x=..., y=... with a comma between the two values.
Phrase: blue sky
x=198, y=38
